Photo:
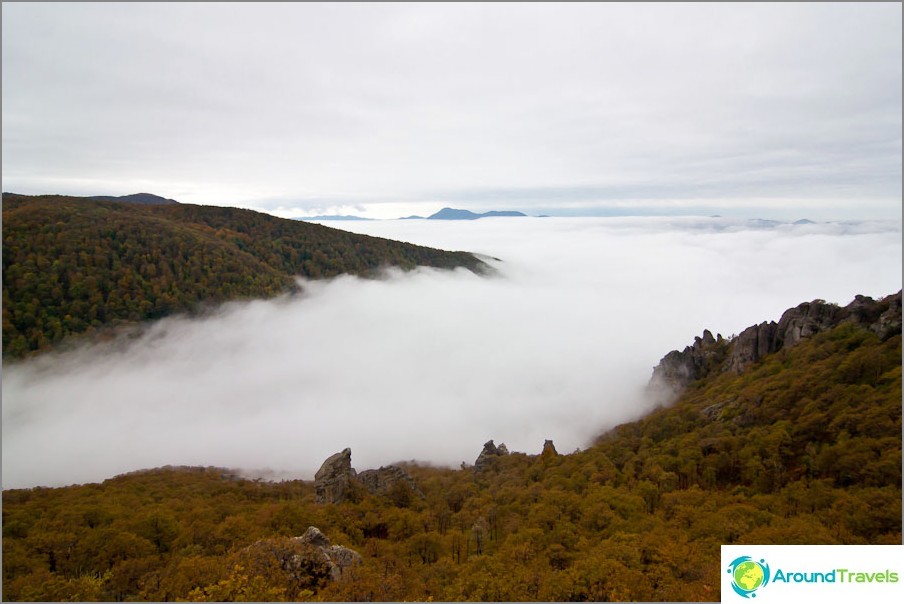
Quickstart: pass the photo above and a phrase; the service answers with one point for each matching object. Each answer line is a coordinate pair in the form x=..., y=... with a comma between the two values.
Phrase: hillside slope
x=801, y=446
x=74, y=265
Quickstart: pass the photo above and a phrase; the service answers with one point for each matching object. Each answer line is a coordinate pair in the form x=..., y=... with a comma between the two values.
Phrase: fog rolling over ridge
x=430, y=364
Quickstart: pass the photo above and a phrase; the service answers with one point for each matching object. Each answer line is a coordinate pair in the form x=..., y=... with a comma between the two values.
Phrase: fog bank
x=428, y=364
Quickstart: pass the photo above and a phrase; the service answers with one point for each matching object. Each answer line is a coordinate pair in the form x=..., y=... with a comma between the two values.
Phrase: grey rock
x=488, y=455
x=380, y=482
x=333, y=481
x=677, y=370
x=337, y=557
x=314, y=537
x=341, y=559
x=751, y=345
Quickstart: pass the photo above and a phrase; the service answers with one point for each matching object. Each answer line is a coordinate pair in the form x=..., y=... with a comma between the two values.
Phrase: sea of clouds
x=429, y=364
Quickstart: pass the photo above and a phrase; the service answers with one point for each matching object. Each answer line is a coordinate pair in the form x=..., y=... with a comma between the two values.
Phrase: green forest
x=82, y=267
x=802, y=447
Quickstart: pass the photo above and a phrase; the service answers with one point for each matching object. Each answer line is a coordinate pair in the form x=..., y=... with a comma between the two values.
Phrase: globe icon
x=748, y=575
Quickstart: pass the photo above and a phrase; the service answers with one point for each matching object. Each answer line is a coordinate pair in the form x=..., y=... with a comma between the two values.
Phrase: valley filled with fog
x=429, y=365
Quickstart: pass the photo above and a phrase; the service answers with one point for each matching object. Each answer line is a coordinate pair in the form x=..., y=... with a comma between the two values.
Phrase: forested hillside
x=76, y=265
x=803, y=446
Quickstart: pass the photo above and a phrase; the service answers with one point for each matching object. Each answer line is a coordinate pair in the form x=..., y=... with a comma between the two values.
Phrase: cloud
x=320, y=105
x=429, y=364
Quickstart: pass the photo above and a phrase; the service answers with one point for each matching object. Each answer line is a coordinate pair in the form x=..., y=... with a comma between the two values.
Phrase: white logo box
x=774, y=574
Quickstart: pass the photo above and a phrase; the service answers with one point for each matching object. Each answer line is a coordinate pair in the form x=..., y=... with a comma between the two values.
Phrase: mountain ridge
x=75, y=265
x=677, y=370
x=454, y=214
x=139, y=198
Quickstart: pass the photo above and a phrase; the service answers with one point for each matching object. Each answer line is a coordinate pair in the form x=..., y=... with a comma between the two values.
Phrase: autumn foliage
x=804, y=447
x=77, y=266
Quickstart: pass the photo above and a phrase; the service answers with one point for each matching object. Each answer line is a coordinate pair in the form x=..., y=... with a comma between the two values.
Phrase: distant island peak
x=455, y=214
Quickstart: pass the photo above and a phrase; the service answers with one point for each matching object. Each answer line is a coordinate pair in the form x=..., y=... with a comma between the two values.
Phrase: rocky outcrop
x=314, y=536
x=333, y=481
x=549, y=449
x=305, y=563
x=751, y=345
x=336, y=480
x=381, y=482
x=797, y=323
x=883, y=317
x=677, y=369
x=337, y=557
x=488, y=455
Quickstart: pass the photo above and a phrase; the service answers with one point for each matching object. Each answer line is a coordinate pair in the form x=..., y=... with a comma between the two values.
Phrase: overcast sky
x=772, y=110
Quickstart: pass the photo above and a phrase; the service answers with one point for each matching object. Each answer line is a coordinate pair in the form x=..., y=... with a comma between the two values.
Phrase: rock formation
x=677, y=369
x=334, y=479
x=549, y=449
x=380, y=482
x=488, y=455
x=338, y=558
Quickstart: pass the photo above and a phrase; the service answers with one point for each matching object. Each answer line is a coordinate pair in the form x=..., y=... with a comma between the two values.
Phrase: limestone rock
x=337, y=557
x=889, y=322
x=380, y=482
x=677, y=370
x=488, y=455
x=341, y=559
x=333, y=481
x=314, y=537
x=751, y=345
x=303, y=566
x=804, y=321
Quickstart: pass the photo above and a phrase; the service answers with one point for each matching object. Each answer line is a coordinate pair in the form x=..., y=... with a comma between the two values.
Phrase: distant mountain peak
x=455, y=214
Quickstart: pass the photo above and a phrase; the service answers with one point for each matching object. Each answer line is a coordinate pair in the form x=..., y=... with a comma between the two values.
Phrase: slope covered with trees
x=76, y=265
x=804, y=446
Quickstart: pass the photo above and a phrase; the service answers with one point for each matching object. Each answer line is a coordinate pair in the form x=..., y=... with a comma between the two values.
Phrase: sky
x=430, y=364
x=774, y=110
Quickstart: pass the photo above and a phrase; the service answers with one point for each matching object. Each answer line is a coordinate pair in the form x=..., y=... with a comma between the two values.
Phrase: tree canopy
x=76, y=266
x=803, y=447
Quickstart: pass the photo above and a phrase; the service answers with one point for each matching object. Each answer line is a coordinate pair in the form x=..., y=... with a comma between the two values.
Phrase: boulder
x=333, y=481
x=337, y=557
x=341, y=559
x=549, y=449
x=314, y=537
x=381, y=482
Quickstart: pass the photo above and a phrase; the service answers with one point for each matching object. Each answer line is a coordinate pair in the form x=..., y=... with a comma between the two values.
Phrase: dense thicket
x=76, y=265
x=804, y=447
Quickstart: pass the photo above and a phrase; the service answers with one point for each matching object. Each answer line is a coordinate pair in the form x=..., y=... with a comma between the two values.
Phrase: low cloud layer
x=429, y=364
